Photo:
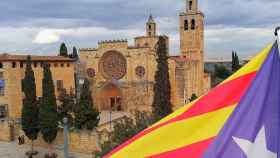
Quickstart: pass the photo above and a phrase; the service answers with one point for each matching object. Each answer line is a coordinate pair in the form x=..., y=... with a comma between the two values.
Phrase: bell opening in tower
x=186, y=25
x=190, y=5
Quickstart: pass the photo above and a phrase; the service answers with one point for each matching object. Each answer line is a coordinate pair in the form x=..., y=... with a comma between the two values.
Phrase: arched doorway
x=110, y=98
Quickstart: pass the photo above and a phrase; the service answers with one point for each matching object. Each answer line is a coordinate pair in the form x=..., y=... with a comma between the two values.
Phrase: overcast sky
x=39, y=26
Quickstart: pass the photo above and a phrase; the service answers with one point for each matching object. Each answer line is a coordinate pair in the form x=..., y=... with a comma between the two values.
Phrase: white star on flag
x=256, y=149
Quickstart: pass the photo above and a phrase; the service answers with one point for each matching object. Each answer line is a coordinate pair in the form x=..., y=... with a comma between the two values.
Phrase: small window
x=2, y=87
x=1, y=65
x=190, y=5
x=14, y=64
x=68, y=65
x=150, y=27
x=59, y=85
x=186, y=25
x=62, y=64
x=55, y=64
x=35, y=64
x=21, y=64
x=193, y=24
x=146, y=45
x=42, y=64
x=3, y=111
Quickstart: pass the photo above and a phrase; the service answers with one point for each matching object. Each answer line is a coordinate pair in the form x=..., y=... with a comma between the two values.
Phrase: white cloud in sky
x=47, y=36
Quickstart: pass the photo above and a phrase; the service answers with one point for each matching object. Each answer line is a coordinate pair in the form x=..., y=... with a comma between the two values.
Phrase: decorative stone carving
x=113, y=65
x=91, y=72
x=140, y=71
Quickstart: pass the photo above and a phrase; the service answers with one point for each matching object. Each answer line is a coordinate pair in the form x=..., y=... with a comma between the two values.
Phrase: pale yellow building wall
x=13, y=88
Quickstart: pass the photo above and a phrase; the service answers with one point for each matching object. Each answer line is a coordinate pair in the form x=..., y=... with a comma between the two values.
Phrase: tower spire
x=151, y=26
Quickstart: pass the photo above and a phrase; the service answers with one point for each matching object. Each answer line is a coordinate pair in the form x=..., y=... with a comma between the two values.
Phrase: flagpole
x=277, y=34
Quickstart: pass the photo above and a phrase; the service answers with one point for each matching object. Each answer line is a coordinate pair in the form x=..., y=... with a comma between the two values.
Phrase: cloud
x=38, y=26
x=47, y=37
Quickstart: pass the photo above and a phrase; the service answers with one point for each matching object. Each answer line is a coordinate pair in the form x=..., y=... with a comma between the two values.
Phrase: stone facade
x=132, y=68
x=12, y=69
x=123, y=75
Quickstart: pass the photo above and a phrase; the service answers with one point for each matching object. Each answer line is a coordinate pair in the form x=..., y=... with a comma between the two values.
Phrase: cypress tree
x=75, y=53
x=86, y=115
x=233, y=61
x=162, y=94
x=63, y=50
x=48, y=115
x=237, y=61
x=30, y=119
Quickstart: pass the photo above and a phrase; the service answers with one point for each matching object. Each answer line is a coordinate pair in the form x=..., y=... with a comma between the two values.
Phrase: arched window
x=190, y=5
x=186, y=25
x=150, y=27
x=1, y=65
x=193, y=24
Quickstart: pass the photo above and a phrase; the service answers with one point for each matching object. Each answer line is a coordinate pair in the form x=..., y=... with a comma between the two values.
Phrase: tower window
x=35, y=64
x=190, y=5
x=193, y=24
x=186, y=25
x=14, y=64
x=150, y=27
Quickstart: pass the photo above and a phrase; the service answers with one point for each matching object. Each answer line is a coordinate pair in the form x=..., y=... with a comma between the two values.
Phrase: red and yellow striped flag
x=190, y=130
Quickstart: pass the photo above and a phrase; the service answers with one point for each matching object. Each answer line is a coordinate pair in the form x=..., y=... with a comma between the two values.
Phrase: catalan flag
x=239, y=118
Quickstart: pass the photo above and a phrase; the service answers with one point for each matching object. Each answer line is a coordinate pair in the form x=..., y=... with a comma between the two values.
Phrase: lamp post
x=65, y=133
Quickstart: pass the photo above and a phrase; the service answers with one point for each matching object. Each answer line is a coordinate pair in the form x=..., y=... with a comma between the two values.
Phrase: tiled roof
x=10, y=57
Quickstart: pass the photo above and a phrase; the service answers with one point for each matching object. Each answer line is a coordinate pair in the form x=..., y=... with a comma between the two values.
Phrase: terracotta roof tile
x=10, y=57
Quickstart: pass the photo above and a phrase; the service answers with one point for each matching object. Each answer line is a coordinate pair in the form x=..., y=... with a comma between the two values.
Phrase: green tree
x=235, y=62
x=125, y=129
x=86, y=115
x=66, y=106
x=48, y=115
x=193, y=97
x=222, y=72
x=63, y=50
x=30, y=110
x=162, y=95
x=75, y=53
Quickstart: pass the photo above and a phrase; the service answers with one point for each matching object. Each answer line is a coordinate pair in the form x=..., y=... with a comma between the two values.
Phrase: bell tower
x=151, y=27
x=192, y=31
x=192, y=46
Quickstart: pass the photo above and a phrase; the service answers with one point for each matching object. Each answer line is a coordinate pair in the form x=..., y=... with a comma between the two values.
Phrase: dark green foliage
x=75, y=53
x=48, y=115
x=66, y=107
x=63, y=50
x=86, y=115
x=30, y=119
x=235, y=62
x=221, y=73
x=162, y=95
x=125, y=129
x=193, y=97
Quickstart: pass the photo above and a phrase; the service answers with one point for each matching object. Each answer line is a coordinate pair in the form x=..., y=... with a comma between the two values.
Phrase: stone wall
x=5, y=132
x=79, y=141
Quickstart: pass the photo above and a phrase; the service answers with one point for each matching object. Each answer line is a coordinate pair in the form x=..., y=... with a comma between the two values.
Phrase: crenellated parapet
x=112, y=41
x=122, y=43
